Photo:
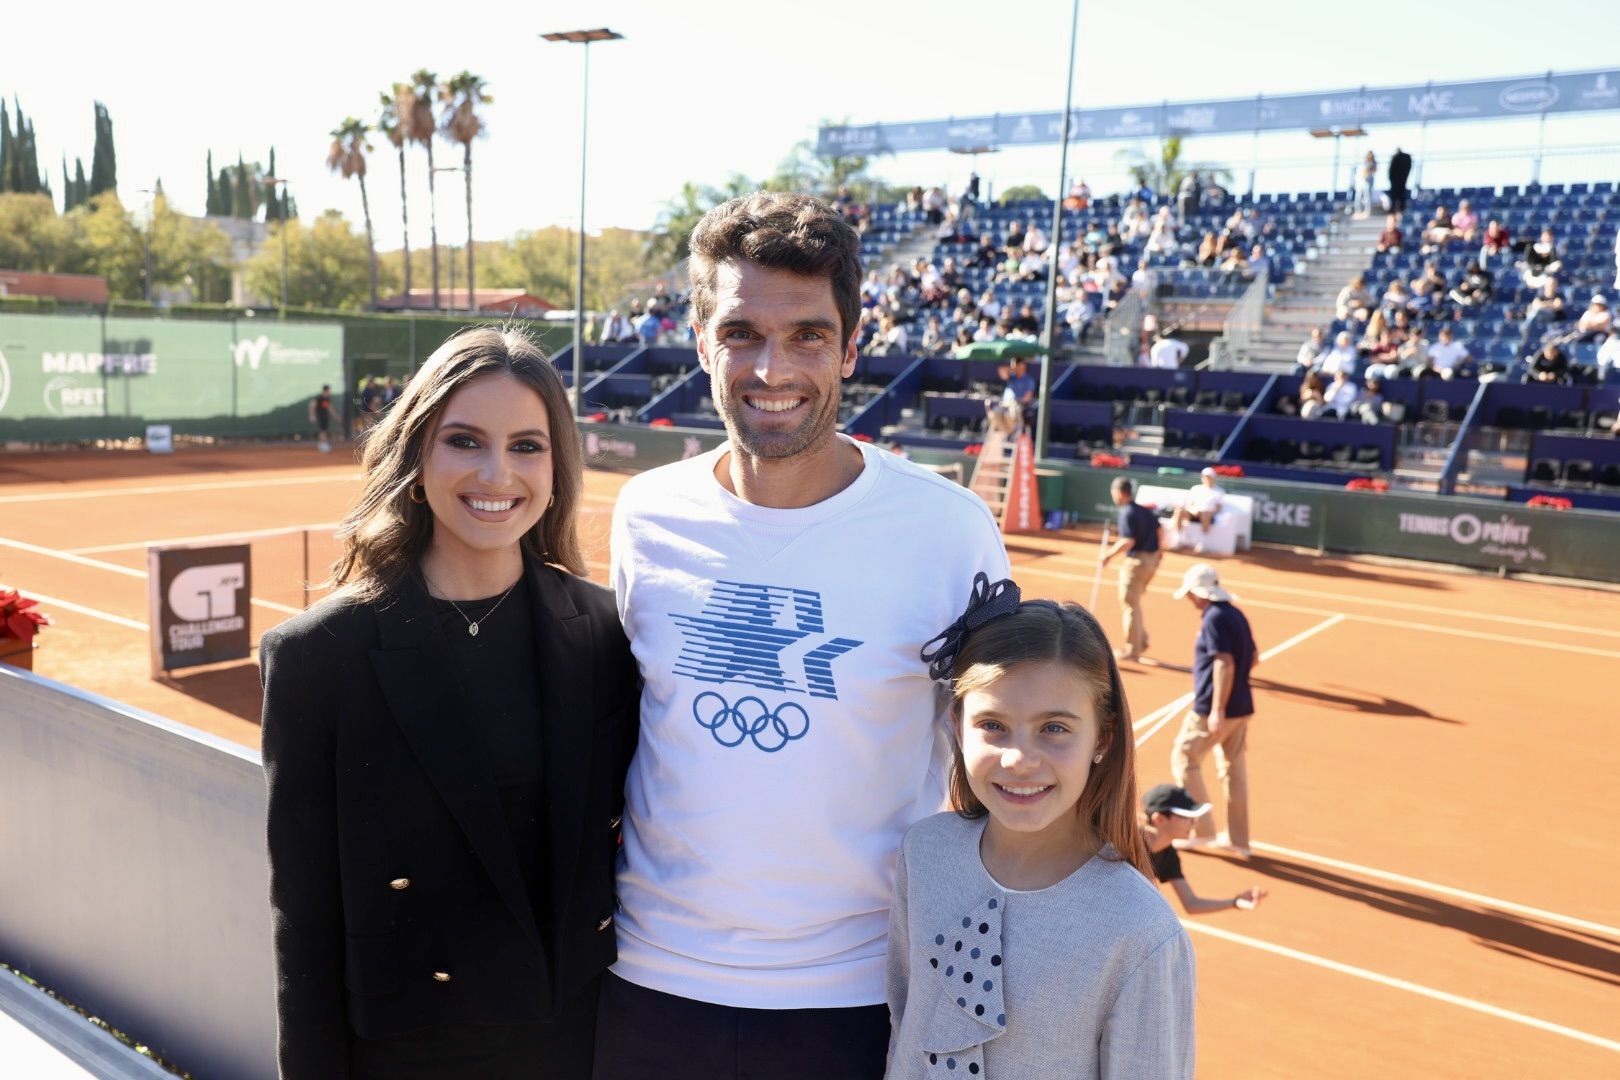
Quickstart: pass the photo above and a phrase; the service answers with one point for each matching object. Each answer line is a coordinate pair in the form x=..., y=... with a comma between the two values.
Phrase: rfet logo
x=201, y=593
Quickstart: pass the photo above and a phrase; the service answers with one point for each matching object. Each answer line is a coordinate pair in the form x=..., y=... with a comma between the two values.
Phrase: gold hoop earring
x=418, y=493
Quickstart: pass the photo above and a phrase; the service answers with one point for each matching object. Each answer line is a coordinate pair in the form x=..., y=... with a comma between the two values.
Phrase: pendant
x=472, y=628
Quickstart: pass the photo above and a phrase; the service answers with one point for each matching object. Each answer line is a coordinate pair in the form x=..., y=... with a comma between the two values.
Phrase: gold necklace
x=472, y=627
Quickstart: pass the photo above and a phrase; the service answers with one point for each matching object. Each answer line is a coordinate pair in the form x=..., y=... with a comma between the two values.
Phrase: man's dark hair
x=1121, y=485
x=781, y=231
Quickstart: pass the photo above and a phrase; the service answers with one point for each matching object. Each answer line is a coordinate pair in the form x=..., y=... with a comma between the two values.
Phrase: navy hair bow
x=986, y=602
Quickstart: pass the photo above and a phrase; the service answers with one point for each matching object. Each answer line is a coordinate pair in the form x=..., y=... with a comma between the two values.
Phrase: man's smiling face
x=775, y=352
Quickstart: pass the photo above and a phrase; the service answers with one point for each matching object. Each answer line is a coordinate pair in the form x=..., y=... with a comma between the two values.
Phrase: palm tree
x=421, y=129
x=1163, y=173
x=347, y=155
x=461, y=123
x=392, y=121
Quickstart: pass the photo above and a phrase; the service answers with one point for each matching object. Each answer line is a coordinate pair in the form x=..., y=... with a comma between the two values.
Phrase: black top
x=1225, y=629
x=500, y=696
x=1166, y=864
x=1140, y=525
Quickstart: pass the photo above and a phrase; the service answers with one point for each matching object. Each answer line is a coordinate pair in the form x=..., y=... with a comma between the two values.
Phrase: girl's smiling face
x=1028, y=740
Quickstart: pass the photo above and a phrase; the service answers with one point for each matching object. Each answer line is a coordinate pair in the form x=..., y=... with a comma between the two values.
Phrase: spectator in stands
x=1476, y=287
x=1202, y=503
x=1168, y=351
x=1541, y=260
x=371, y=402
x=933, y=205
x=1341, y=394
x=987, y=254
x=1032, y=267
x=1235, y=264
x=1026, y=324
x=1595, y=322
x=1429, y=291
x=987, y=329
x=1391, y=238
x=1448, y=355
x=1019, y=387
x=1133, y=222
x=1369, y=407
x=1314, y=350
x=1014, y=243
x=1414, y=351
x=1366, y=183
x=616, y=329
x=1396, y=300
x=1259, y=261
x=1497, y=240
x=1162, y=241
x=1617, y=258
x=1551, y=365
x=1465, y=223
x=1084, y=311
x=649, y=326
x=1079, y=196
x=1312, y=398
x=1354, y=301
x=391, y=391
x=892, y=338
x=1342, y=357
x=964, y=336
x=1209, y=250
x=1144, y=280
x=1400, y=167
x=1439, y=231
x=934, y=340
x=1187, y=198
x=1547, y=306
x=1035, y=240
x=1139, y=541
x=988, y=304
x=1608, y=359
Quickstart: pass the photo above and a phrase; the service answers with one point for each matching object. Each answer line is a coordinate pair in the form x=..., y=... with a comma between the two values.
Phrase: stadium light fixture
x=581, y=37
x=1354, y=131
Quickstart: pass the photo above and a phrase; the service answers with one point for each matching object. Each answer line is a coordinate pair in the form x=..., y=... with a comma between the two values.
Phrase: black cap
x=1169, y=799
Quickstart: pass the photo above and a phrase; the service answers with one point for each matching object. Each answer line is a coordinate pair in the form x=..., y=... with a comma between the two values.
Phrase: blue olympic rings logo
x=750, y=719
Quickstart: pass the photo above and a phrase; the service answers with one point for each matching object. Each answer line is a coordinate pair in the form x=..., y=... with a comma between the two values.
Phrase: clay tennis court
x=1431, y=767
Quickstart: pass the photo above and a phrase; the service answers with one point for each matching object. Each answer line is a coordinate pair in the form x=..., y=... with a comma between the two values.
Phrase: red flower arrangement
x=1228, y=470
x=1551, y=502
x=19, y=616
x=1368, y=483
x=1107, y=461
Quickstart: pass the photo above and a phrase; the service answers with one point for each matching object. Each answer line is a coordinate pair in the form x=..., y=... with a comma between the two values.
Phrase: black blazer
x=398, y=900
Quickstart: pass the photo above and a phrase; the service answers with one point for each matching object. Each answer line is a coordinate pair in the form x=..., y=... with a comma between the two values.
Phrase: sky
x=701, y=90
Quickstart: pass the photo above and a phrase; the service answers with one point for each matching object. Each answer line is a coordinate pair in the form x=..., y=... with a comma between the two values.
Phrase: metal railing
x=1243, y=324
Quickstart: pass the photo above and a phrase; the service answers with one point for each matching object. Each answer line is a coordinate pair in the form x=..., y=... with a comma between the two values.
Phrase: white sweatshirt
x=789, y=731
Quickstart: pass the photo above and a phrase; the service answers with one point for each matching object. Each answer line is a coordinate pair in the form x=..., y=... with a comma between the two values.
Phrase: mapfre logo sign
x=250, y=353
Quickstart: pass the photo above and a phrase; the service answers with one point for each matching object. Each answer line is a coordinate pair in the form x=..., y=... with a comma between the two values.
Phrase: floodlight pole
x=584, y=38
x=1056, y=241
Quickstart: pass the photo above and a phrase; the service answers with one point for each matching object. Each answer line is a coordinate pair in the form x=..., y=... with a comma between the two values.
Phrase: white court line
x=1162, y=715
x=141, y=545
x=1402, y=984
x=164, y=489
x=68, y=605
x=52, y=553
x=1373, y=620
x=1441, y=890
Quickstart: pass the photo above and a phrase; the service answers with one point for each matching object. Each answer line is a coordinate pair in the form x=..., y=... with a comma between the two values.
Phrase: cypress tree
x=81, y=186
x=29, y=180
x=247, y=203
x=227, y=204
x=6, y=152
x=104, y=163
x=67, y=187
x=273, y=209
x=211, y=206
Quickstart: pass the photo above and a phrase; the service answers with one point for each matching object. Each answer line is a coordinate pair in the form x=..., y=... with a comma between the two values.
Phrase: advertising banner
x=1529, y=95
x=199, y=599
x=69, y=377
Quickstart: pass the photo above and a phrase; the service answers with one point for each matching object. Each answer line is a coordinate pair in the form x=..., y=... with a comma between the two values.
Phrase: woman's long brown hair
x=386, y=533
x=1047, y=630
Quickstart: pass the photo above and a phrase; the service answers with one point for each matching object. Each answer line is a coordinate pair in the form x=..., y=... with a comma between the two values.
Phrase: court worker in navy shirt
x=1139, y=543
x=1222, y=709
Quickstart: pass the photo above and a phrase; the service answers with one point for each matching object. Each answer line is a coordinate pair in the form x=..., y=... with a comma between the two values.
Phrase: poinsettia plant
x=20, y=617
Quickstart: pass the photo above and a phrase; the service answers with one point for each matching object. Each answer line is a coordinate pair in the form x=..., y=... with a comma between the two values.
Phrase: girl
x=446, y=741
x=1168, y=813
x=1026, y=938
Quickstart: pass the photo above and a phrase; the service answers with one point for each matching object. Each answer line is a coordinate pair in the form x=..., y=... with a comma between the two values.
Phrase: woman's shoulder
x=336, y=618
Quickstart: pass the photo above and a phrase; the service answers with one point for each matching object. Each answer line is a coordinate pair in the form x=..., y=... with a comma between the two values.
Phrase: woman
x=445, y=741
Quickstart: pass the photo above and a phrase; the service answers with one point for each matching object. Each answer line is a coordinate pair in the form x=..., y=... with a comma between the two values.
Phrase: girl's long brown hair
x=1047, y=630
x=386, y=533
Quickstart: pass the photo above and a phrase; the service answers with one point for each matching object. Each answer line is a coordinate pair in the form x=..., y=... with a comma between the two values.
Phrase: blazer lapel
x=417, y=672
x=562, y=635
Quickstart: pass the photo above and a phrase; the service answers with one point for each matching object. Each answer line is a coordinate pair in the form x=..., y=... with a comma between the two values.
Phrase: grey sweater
x=1090, y=978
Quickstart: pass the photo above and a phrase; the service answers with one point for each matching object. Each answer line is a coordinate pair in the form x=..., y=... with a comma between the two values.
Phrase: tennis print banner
x=1489, y=99
x=199, y=599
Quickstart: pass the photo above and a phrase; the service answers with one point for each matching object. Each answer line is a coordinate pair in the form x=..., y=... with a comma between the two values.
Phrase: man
x=371, y=402
x=1341, y=394
x=1203, y=502
x=1448, y=355
x=649, y=326
x=1168, y=351
x=1223, y=706
x=320, y=414
x=1139, y=543
x=1400, y=167
x=776, y=591
x=616, y=329
x=1342, y=357
x=1187, y=199
x=1314, y=349
x=1019, y=387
